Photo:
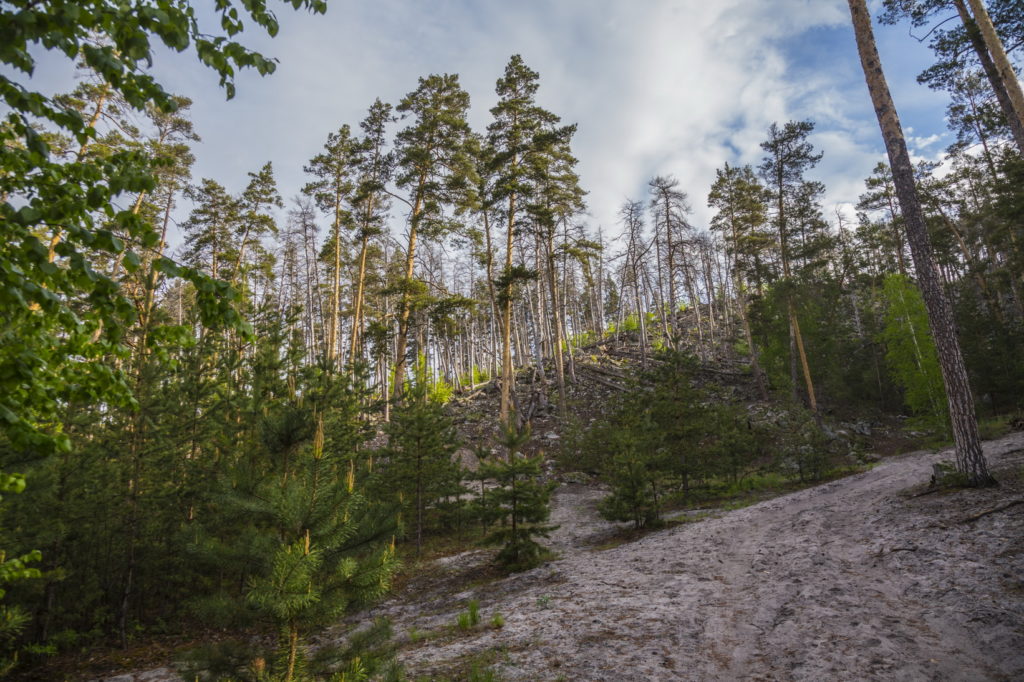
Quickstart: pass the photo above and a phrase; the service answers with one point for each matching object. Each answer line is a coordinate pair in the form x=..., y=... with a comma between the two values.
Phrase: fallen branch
x=1002, y=507
x=603, y=370
x=604, y=382
x=475, y=387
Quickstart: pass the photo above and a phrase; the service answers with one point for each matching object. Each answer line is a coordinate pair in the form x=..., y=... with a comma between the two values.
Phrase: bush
x=636, y=493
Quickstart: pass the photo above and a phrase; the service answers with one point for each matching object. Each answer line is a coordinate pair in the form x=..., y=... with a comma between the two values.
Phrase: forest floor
x=861, y=578
x=871, y=576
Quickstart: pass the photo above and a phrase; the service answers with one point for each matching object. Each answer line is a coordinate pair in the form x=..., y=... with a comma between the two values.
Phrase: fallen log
x=603, y=370
x=604, y=382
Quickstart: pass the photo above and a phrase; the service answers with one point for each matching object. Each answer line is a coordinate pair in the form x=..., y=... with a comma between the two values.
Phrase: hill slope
x=859, y=578
x=854, y=579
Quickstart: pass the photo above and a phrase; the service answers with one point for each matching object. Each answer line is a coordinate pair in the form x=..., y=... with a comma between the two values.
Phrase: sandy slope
x=850, y=580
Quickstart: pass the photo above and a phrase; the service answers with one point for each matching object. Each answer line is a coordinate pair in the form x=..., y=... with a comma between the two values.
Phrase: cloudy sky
x=656, y=86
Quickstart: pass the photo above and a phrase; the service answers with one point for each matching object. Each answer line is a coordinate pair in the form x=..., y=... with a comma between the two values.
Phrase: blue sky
x=656, y=86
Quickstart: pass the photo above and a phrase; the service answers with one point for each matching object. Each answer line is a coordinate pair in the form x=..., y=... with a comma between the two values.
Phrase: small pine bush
x=521, y=501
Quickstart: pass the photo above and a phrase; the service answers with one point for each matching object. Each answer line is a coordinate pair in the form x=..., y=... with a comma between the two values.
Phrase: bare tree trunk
x=405, y=308
x=357, y=308
x=507, y=376
x=970, y=458
x=670, y=248
x=489, y=264
x=569, y=368
x=659, y=298
x=557, y=324
x=695, y=304
x=796, y=337
x=997, y=66
x=332, y=332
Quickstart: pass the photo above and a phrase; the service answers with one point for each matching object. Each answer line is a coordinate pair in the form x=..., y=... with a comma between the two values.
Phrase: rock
x=551, y=435
x=466, y=458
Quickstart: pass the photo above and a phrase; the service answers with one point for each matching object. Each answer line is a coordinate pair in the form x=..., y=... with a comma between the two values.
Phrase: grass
x=467, y=620
x=718, y=496
x=753, y=488
x=995, y=427
x=435, y=546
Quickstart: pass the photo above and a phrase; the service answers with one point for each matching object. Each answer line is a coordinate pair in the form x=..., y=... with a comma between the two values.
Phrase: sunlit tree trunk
x=970, y=458
x=997, y=66
x=405, y=306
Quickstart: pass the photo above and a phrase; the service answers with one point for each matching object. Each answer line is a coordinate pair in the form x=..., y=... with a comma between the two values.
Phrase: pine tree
x=970, y=457
x=520, y=501
x=312, y=540
x=789, y=155
x=520, y=132
x=557, y=197
x=637, y=492
x=421, y=442
x=436, y=168
x=209, y=230
x=741, y=219
x=370, y=204
x=965, y=47
x=334, y=169
x=255, y=221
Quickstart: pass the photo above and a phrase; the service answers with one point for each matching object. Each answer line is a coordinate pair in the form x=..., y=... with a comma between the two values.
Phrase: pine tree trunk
x=812, y=400
x=741, y=294
x=405, y=308
x=357, y=307
x=796, y=337
x=293, y=651
x=559, y=335
x=506, y=329
x=670, y=247
x=491, y=297
x=332, y=332
x=997, y=66
x=970, y=458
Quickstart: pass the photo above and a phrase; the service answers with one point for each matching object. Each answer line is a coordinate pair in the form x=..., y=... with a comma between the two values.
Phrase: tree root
x=1002, y=507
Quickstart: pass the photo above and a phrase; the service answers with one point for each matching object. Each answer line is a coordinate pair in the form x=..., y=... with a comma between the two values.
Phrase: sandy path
x=850, y=580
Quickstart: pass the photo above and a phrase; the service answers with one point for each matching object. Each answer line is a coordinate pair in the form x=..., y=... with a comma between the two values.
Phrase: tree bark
x=506, y=328
x=332, y=332
x=357, y=308
x=970, y=460
x=997, y=66
x=559, y=335
x=405, y=308
x=796, y=345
